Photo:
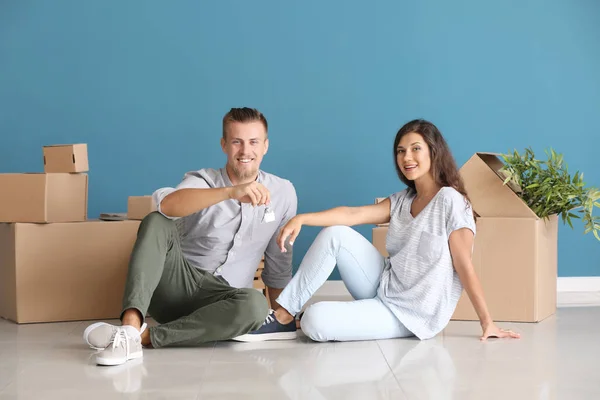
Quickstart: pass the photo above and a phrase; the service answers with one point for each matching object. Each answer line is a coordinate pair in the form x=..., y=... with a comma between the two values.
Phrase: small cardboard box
x=64, y=271
x=41, y=198
x=515, y=254
x=68, y=158
x=140, y=206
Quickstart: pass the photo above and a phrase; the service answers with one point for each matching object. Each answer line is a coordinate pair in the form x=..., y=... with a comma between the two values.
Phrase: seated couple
x=194, y=260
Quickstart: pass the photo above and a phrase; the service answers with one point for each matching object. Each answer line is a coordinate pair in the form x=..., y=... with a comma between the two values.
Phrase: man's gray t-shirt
x=419, y=283
x=230, y=238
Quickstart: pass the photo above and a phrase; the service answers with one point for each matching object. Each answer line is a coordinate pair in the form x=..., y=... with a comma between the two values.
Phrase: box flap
x=489, y=196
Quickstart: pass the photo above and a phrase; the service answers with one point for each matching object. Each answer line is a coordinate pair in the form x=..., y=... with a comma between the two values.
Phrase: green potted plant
x=548, y=188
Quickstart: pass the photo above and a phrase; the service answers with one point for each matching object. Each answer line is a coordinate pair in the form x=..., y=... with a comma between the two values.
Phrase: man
x=193, y=264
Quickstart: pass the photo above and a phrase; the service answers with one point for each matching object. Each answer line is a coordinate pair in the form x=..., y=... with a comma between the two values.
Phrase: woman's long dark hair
x=443, y=167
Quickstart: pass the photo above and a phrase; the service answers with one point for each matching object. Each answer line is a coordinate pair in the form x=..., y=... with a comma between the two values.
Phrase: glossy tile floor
x=556, y=359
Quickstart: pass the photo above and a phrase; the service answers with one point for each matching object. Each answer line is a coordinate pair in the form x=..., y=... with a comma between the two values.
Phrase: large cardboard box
x=66, y=158
x=64, y=271
x=515, y=254
x=140, y=206
x=38, y=197
x=516, y=262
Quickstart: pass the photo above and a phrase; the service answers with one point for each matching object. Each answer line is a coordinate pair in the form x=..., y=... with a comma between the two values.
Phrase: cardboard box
x=139, y=206
x=379, y=235
x=64, y=271
x=516, y=262
x=68, y=158
x=38, y=197
x=515, y=254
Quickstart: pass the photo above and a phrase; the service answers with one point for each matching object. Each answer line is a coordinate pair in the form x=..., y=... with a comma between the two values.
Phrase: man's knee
x=314, y=322
x=155, y=219
x=253, y=307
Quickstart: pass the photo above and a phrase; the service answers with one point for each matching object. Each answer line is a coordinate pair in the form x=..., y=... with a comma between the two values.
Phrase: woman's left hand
x=492, y=330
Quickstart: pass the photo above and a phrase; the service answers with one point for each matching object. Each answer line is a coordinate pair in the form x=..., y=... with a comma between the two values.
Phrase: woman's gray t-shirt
x=419, y=283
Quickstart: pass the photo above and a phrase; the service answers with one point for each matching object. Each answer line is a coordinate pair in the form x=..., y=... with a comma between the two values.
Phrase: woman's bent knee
x=314, y=323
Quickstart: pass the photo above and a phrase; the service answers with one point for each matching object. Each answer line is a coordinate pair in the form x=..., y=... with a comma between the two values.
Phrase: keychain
x=269, y=215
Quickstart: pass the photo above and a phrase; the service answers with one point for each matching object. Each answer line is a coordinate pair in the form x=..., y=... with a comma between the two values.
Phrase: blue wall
x=146, y=83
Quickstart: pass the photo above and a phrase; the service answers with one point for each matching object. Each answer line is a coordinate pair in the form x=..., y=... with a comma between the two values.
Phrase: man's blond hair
x=243, y=114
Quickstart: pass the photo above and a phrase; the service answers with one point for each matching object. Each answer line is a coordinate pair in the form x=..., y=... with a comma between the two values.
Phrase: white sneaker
x=99, y=335
x=125, y=345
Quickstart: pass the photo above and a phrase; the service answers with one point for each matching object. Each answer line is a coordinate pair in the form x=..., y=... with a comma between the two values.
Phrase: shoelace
x=120, y=337
x=270, y=317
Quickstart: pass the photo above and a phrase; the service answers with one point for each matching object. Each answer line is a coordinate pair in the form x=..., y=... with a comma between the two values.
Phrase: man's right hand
x=291, y=230
x=253, y=192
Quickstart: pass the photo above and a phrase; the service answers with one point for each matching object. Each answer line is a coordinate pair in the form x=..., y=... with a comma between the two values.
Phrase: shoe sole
x=267, y=336
x=118, y=361
x=89, y=329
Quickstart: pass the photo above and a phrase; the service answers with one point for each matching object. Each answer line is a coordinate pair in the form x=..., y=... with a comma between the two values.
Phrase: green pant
x=191, y=306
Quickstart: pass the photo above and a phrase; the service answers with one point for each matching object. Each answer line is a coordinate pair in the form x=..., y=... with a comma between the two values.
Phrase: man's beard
x=244, y=174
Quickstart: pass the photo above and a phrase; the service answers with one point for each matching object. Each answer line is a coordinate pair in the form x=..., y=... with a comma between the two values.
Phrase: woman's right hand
x=291, y=229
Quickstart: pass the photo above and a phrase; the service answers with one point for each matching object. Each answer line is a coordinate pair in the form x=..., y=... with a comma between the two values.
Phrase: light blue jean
x=360, y=265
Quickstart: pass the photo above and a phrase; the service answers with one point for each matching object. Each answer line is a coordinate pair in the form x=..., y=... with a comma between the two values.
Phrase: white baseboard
x=578, y=284
x=332, y=289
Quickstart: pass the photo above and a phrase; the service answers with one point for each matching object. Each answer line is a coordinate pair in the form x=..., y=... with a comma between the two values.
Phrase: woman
x=414, y=291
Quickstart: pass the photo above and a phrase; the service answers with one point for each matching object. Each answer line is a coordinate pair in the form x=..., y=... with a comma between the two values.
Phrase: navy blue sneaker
x=271, y=329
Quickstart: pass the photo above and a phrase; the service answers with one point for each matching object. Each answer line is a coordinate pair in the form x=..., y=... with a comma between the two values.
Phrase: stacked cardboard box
x=139, y=206
x=515, y=252
x=57, y=195
x=55, y=264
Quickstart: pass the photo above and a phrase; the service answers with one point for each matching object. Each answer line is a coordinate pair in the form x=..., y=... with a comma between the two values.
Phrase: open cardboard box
x=515, y=254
